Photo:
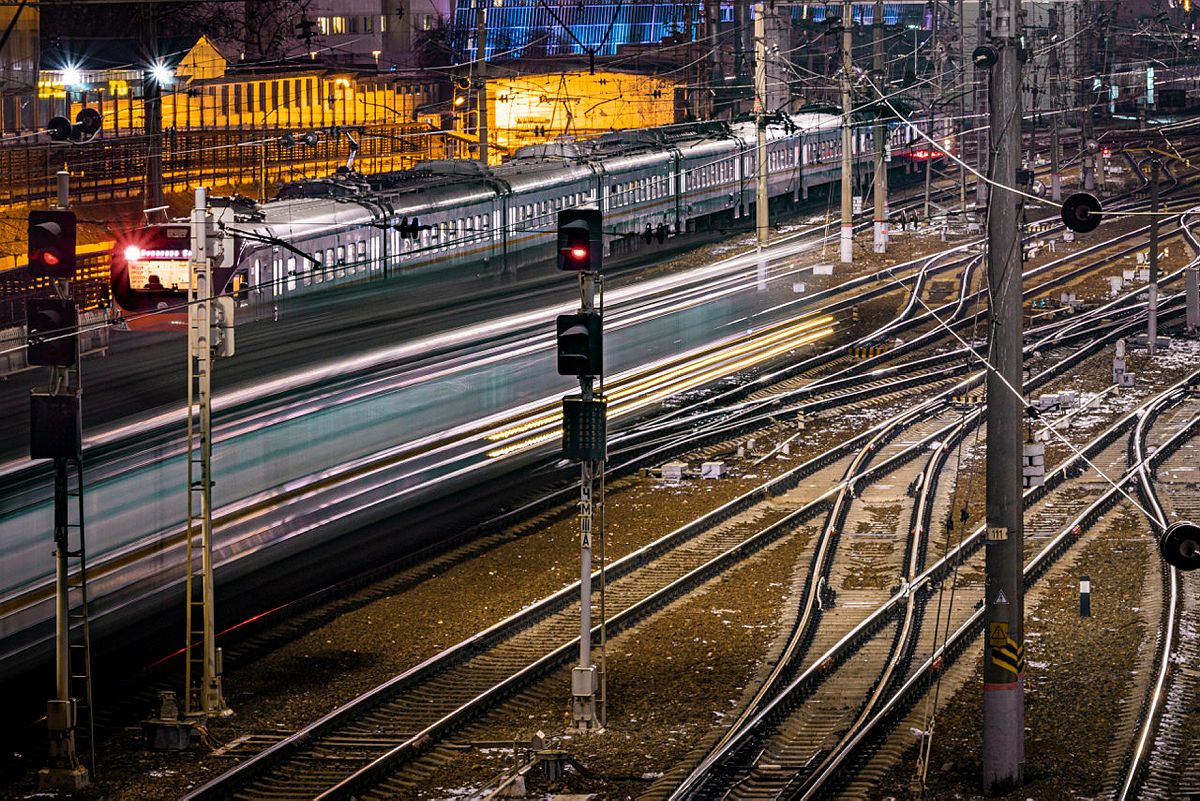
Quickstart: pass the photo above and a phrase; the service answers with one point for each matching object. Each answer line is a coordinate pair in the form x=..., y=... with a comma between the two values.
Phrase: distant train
x=350, y=227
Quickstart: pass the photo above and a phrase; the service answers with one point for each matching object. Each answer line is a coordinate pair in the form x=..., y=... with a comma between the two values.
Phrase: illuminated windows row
x=340, y=25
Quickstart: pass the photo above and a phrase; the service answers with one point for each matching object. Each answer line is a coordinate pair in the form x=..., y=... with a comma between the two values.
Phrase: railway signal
x=50, y=331
x=580, y=240
x=580, y=352
x=1081, y=212
x=1179, y=545
x=52, y=243
x=87, y=124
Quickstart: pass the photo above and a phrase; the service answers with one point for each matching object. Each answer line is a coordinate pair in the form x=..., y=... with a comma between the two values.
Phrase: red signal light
x=579, y=253
x=49, y=258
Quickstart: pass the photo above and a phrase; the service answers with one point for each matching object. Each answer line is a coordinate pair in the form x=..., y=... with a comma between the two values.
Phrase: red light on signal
x=579, y=253
x=1106, y=152
x=50, y=258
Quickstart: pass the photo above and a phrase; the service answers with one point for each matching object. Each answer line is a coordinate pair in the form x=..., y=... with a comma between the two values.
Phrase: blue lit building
x=518, y=28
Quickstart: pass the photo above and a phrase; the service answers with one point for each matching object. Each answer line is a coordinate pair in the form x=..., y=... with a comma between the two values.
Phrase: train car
x=474, y=221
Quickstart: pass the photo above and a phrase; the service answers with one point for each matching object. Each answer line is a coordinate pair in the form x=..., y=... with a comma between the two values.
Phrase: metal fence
x=109, y=168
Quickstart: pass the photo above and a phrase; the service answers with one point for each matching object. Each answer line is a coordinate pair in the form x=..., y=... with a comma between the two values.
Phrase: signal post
x=580, y=353
x=56, y=433
x=210, y=332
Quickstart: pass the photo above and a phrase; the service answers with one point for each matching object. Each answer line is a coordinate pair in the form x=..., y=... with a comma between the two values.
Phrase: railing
x=110, y=168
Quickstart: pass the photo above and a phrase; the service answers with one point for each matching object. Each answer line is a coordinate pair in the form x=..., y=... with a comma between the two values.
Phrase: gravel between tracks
x=1079, y=671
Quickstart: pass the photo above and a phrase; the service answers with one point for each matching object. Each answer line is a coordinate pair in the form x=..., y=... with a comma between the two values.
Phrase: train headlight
x=133, y=253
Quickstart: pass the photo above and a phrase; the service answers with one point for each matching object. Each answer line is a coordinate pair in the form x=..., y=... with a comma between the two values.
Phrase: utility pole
x=152, y=107
x=881, y=87
x=1004, y=659
x=202, y=673
x=1056, y=37
x=934, y=57
x=847, y=237
x=1088, y=165
x=982, y=139
x=716, y=71
x=481, y=98
x=1152, y=326
x=761, y=207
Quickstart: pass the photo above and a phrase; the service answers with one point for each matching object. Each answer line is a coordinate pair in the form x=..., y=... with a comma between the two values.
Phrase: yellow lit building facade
x=537, y=108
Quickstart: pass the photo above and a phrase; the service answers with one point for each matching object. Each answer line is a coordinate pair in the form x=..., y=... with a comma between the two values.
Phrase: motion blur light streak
x=690, y=380
x=632, y=384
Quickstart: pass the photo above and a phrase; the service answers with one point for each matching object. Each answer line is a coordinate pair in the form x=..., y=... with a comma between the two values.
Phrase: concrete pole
x=1152, y=326
x=761, y=204
x=936, y=60
x=880, y=134
x=981, y=134
x=152, y=108
x=847, y=237
x=1192, y=292
x=1084, y=62
x=1056, y=31
x=1003, y=668
x=481, y=101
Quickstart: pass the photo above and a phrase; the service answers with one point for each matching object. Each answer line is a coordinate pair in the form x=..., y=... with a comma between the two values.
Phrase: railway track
x=1051, y=529
x=1155, y=766
x=383, y=741
x=354, y=742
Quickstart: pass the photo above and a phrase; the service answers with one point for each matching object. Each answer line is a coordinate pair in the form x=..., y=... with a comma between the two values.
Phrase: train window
x=318, y=269
x=362, y=252
x=291, y=273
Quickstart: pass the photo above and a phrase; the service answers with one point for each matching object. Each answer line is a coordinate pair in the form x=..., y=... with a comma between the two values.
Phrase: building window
x=262, y=96
x=353, y=24
x=427, y=22
x=338, y=24
x=323, y=26
x=368, y=25
x=383, y=24
x=308, y=91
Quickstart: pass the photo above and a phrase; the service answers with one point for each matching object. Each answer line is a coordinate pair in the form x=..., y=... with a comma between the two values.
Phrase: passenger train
x=478, y=221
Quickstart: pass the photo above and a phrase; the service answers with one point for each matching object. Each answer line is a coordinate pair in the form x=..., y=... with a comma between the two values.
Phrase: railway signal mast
x=580, y=353
x=202, y=672
x=55, y=429
x=1004, y=661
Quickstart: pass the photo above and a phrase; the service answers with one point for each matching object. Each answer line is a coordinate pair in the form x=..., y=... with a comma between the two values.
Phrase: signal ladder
x=69, y=475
